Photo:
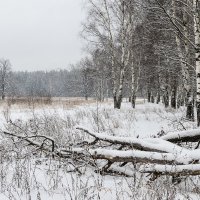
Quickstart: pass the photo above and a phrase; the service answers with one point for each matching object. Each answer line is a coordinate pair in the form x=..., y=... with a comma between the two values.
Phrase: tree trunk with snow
x=133, y=87
x=197, y=54
x=183, y=62
x=119, y=93
x=125, y=51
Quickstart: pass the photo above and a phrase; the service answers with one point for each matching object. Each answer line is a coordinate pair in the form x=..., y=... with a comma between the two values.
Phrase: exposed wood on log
x=183, y=136
x=172, y=170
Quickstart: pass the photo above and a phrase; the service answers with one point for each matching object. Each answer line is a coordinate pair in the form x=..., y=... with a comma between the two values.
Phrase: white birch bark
x=183, y=63
x=111, y=47
x=135, y=70
x=197, y=54
x=125, y=53
x=111, y=29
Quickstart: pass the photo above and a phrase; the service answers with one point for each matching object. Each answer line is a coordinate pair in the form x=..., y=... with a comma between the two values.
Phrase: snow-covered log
x=168, y=158
x=183, y=136
x=133, y=156
x=146, y=144
x=183, y=170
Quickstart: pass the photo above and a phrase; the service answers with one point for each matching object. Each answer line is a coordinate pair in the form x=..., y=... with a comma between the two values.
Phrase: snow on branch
x=161, y=155
x=146, y=144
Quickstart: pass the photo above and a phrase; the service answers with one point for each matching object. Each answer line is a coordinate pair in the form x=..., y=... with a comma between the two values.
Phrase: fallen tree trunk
x=133, y=156
x=183, y=136
x=167, y=157
x=146, y=144
x=172, y=170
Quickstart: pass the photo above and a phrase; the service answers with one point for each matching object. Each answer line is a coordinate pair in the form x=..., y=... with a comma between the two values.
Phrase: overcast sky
x=41, y=34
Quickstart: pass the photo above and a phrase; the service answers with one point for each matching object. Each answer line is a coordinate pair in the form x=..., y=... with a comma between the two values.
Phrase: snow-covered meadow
x=25, y=174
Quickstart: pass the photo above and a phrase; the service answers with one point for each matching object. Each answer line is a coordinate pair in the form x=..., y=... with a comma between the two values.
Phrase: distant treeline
x=55, y=83
x=41, y=83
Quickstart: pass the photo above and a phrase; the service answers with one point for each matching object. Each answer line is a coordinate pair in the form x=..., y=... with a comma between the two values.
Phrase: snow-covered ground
x=144, y=121
x=35, y=177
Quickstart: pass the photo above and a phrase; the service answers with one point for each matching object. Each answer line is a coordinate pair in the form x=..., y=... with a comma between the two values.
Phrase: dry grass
x=53, y=102
x=45, y=102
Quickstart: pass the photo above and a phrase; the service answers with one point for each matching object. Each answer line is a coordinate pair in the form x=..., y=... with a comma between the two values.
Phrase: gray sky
x=40, y=34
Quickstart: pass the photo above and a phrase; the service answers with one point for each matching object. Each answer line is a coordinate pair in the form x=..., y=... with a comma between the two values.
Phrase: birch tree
x=109, y=26
x=196, y=15
x=183, y=56
x=177, y=18
x=5, y=69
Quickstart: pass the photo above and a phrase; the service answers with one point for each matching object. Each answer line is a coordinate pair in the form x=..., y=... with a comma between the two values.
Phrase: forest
x=146, y=49
x=126, y=120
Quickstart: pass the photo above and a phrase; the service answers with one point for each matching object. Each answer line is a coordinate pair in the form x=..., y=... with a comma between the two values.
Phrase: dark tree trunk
x=3, y=92
x=133, y=99
x=152, y=99
x=158, y=98
x=190, y=107
x=180, y=101
x=198, y=113
x=166, y=99
x=173, y=97
x=190, y=111
x=117, y=102
x=149, y=96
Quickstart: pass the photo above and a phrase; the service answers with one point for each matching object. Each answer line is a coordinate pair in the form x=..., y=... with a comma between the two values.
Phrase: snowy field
x=25, y=174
